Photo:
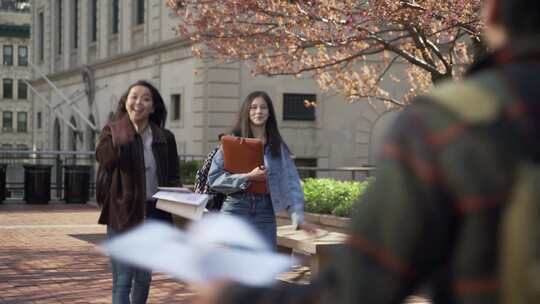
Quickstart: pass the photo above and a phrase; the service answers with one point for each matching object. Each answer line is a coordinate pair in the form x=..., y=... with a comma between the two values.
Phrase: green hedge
x=323, y=195
x=329, y=196
x=188, y=170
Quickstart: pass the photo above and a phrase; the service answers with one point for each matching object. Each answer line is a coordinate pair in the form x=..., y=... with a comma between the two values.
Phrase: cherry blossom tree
x=349, y=46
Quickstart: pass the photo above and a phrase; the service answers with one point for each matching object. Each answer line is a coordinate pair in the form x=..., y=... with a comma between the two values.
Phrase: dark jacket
x=121, y=181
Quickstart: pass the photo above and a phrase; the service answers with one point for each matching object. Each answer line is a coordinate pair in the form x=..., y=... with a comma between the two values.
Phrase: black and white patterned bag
x=201, y=186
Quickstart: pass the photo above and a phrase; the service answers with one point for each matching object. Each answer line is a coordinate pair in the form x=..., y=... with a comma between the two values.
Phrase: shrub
x=188, y=170
x=329, y=196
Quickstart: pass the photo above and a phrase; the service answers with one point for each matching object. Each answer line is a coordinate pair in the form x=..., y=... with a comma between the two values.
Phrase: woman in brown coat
x=136, y=154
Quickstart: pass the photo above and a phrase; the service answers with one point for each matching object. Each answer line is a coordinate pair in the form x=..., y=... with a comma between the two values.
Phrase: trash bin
x=76, y=184
x=3, y=168
x=37, y=184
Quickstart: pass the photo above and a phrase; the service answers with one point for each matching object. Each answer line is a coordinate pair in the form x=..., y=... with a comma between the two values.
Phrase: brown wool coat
x=120, y=184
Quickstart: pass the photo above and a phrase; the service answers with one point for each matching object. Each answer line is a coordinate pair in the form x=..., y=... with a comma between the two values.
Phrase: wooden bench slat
x=317, y=246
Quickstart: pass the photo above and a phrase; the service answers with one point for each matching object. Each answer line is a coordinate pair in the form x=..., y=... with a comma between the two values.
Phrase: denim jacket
x=282, y=181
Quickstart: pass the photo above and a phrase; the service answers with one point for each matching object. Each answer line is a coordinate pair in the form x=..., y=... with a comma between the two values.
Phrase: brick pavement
x=48, y=255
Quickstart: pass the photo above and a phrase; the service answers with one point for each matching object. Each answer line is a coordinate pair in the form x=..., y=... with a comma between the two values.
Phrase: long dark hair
x=242, y=126
x=160, y=111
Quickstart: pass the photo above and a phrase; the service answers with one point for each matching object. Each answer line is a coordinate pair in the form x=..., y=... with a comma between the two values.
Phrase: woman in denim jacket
x=257, y=119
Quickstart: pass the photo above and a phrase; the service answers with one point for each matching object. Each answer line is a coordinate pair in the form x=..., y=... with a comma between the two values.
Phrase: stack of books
x=181, y=201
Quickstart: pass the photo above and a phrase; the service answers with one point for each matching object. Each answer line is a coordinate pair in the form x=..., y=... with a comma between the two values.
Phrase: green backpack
x=481, y=101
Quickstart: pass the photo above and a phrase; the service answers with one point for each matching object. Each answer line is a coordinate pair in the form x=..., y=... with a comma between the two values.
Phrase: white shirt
x=150, y=166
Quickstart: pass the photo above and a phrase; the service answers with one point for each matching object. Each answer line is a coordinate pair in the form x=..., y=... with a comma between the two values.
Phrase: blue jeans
x=128, y=281
x=257, y=210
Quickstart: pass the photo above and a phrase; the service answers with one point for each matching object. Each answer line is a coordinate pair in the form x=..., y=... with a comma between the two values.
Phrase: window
x=7, y=121
x=294, y=107
x=59, y=24
x=8, y=88
x=21, y=121
x=41, y=38
x=306, y=162
x=176, y=103
x=22, y=89
x=139, y=16
x=8, y=55
x=23, y=56
x=115, y=16
x=93, y=26
x=75, y=24
x=38, y=120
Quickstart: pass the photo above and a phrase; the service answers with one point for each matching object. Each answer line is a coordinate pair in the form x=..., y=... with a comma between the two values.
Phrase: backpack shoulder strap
x=475, y=100
x=520, y=239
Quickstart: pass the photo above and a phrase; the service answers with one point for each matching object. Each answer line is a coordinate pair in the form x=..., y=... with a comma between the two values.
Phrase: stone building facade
x=92, y=50
x=15, y=101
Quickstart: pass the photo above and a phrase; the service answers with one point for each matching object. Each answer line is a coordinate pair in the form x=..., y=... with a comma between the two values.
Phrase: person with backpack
x=452, y=170
x=136, y=154
x=257, y=119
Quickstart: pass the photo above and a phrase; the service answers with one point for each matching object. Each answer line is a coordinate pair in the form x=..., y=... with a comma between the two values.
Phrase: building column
x=216, y=100
x=152, y=30
x=104, y=27
x=84, y=29
x=67, y=28
x=126, y=25
x=53, y=35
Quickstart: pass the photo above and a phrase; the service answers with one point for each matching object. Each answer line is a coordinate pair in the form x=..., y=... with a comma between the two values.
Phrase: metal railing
x=58, y=160
x=341, y=173
x=17, y=159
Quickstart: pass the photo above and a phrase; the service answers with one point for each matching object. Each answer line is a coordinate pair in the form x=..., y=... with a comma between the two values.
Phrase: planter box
x=323, y=221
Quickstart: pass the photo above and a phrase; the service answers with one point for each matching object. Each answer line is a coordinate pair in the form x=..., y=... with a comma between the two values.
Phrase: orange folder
x=241, y=155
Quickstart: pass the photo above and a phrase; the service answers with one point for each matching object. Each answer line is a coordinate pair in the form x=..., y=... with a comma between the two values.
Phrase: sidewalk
x=48, y=255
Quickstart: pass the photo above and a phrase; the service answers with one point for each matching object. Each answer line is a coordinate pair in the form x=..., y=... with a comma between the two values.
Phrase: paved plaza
x=48, y=254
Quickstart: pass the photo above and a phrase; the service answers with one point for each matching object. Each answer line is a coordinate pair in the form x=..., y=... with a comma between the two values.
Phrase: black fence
x=42, y=176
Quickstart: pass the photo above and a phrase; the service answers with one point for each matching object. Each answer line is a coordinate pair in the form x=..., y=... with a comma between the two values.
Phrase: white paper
x=175, y=189
x=214, y=248
x=189, y=211
x=182, y=197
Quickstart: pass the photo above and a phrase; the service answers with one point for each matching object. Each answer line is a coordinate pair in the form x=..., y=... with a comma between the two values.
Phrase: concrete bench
x=317, y=247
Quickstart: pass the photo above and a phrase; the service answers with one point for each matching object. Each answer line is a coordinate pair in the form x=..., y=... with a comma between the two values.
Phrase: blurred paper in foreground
x=216, y=247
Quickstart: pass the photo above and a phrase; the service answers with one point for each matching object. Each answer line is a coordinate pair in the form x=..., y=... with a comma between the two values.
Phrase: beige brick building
x=15, y=102
x=93, y=49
